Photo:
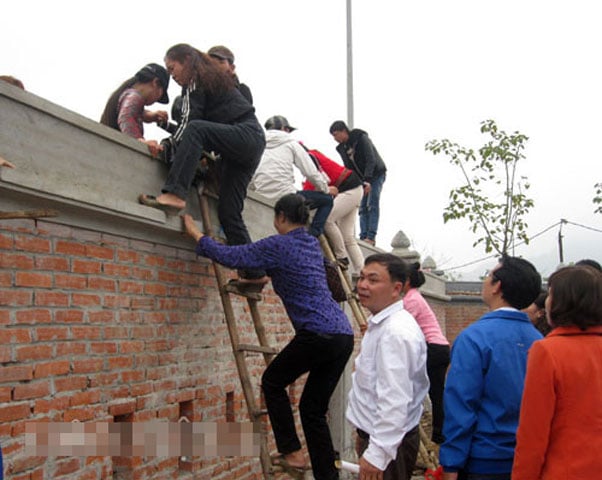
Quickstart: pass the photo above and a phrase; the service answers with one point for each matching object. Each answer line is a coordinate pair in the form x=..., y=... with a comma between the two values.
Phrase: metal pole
x=349, y=67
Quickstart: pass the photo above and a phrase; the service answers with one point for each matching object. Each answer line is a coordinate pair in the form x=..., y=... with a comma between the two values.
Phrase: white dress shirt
x=389, y=382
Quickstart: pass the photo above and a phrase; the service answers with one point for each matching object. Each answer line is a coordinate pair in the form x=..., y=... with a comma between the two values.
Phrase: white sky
x=423, y=70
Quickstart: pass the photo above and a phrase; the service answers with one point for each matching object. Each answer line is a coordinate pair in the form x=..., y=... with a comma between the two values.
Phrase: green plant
x=598, y=198
x=492, y=196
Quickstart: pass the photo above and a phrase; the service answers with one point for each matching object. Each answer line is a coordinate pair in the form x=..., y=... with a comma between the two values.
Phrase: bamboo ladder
x=241, y=350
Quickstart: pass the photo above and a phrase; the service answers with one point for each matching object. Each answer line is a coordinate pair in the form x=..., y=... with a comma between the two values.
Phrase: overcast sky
x=423, y=70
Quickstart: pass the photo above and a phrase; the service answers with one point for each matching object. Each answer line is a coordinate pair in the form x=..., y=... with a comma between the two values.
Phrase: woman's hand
x=153, y=146
x=6, y=163
x=159, y=116
x=191, y=227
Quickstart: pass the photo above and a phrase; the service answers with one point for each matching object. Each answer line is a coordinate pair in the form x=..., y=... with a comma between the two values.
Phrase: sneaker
x=343, y=263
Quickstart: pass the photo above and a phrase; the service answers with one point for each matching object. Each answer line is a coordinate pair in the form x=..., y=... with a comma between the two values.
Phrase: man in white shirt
x=275, y=175
x=390, y=380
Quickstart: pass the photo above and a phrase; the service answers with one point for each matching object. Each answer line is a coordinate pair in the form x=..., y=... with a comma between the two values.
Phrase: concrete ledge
x=90, y=173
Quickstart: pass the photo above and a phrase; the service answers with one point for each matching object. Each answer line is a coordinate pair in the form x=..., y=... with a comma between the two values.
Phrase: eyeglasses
x=491, y=273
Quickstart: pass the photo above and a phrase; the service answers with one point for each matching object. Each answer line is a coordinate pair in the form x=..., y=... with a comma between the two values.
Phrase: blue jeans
x=369, y=209
x=322, y=202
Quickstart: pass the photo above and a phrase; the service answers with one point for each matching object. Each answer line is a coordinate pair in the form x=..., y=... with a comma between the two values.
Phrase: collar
x=574, y=330
x=387, y=312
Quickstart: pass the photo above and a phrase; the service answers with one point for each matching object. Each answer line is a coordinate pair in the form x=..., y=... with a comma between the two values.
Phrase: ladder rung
x=234, y=289
x=260, y=413
x=244, y=347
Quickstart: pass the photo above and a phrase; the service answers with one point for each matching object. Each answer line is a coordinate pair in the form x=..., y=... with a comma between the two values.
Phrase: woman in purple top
x=438, y=351
x=323, y=339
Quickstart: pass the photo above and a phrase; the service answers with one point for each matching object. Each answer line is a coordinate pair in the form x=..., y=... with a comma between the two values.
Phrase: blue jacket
x=483, y=393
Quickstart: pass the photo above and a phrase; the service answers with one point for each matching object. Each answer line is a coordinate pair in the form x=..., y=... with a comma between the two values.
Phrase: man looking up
x=360, y=155
x=390, y=381
x=485, y=381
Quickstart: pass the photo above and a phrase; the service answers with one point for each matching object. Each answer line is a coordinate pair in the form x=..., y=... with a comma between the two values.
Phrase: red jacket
x=559, y=434
x=334, y=171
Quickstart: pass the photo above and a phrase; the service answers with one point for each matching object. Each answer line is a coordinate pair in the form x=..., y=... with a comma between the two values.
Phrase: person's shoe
x=343, y=263
x=369, y=241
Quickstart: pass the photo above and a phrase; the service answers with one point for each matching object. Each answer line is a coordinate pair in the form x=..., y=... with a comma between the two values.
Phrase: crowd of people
x=517, y=397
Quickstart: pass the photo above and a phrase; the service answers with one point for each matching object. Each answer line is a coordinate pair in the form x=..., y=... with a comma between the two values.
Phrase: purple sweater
x=295, y=263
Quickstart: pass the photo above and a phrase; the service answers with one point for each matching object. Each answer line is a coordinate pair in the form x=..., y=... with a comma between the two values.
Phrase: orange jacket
x=560, y=428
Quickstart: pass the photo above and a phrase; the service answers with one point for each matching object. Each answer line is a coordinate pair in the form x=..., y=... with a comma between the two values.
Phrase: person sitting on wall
x=215, y=117
x=13, y=81
x=323, y=339
x=275, y=174
x=125, y=110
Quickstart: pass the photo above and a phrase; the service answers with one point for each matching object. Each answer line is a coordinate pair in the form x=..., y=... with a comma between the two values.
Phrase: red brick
x=52, y=404
x=5, y=395
x=44, y=334
x=140, y=389
x=132, y=376
x=10, y=336
x=103, y=347
x=85, y=332
x=6, y=241
x=116, y=301
x=70, y=348
x=15, y=297
x=101, y=316
x=87, y=397
x=104, y=284
x=70, y=248
x=142, y=273
x=128, y=256
x=67, y=466
x=15, y=260
x=103, y=379
x=85, y=300
x=6, y=279
x=70, y=383
x=34, y=352
x=116, y=270
x=15, y=373
x=122, y=407
x=99, y=252
x=48, y=369
x=67, y=281
x=33, y=316
x=31, y=390
x=5, y=355
x=69, y=316
x=116, y=363
x=30, y=279
x=126, y=286
x=4, y=317
x=85, y=266
x=143, y=303
x=131, y=346
x=88, y=365
x=51, y=299
x=51, y=263
x=84, y=414
x=155, y=289
x=13, y=411
x=32, y=244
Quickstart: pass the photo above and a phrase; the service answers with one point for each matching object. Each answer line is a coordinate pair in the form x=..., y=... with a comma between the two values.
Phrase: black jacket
x=360, y=155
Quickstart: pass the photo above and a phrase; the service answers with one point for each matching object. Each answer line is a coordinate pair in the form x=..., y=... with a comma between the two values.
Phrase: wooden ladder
x=240, y=350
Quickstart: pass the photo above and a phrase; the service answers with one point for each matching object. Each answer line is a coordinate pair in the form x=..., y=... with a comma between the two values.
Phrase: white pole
x=350, y=118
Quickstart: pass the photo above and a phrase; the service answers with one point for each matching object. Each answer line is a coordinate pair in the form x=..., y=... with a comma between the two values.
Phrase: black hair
x=520, y=281
x=416, y=275
x=294, y=208
x=339, y=126
x=576, y=297
x=397, y=268
x=110, y=114
x=588, y=262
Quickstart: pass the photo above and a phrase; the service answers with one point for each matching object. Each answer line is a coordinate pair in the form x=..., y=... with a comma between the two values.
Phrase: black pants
x=402, y=467
x=324, y=357
x=240, y=147
x=437, y=361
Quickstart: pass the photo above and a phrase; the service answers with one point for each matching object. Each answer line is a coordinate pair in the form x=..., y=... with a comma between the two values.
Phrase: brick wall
x=97, y=327
x=465, y=307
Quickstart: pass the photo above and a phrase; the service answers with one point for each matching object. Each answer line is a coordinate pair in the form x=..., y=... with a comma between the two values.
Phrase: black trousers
x=437, y=361
x=240, y=146
x=402, y=467
x=324, y=357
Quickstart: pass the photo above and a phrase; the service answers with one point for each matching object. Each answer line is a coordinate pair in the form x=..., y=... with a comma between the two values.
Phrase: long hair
x=111, y=113
x=205, y=72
